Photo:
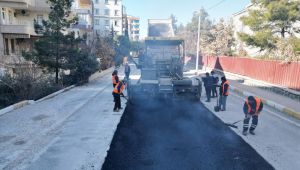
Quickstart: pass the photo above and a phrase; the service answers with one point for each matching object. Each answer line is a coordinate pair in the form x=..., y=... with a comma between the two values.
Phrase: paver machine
x=161, y=66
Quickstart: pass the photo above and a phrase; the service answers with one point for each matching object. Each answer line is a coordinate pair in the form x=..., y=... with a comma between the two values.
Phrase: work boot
x=252, y=132
x=245, y=133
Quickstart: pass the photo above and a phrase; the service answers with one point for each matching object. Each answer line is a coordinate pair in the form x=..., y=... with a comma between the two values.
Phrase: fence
x=274, y=72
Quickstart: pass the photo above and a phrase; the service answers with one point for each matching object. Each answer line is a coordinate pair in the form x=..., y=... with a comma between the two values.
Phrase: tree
x=56, y=50
x=174, y=23
x=221, y=39
x=190, y=33
x=122, y=48
x=47, y=49
x=105, y=51
x=271, y=21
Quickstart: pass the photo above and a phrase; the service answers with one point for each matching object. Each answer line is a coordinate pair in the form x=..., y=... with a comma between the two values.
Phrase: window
x=106, y=22
x=12, y=44
x=106, y=12
x=3, y=14
x=116, y=2
x=116, y=23
x=39, y=19
x=97, y=22
x=6, y=47
x=96, y=11
x=96, y=1
x=116, y=12
x=106, y=1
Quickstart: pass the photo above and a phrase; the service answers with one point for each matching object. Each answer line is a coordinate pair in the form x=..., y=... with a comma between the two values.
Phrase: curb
x=16, y=106
x=29, y=102
x=270, y=103
x=101, y=74
x=55, y=93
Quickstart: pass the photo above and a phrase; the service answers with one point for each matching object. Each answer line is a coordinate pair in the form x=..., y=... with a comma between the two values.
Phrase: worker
x=115, y=78
x=252, y=108
x=117, y=93
x=208, y=83
x=224, y=92
x=215, y=83
x=127, y=71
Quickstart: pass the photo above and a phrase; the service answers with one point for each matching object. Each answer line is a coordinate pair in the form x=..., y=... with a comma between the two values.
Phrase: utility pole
x=198, y=43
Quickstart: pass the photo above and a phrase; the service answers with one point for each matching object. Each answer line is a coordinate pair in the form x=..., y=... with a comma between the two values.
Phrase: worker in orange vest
x=115, y=78
x=117, y=93
x=224, y=92
x=252, y=108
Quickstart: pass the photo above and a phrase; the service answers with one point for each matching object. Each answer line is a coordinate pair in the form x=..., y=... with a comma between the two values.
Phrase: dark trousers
x=253, y=124
x=214, y=92
x=127, y=75
x=117, y=100
x=208, y=93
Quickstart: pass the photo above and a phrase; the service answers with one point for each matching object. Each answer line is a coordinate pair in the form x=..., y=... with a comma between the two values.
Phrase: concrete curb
x=270, y=103
x=29, y=102
x=101, y=74
x=16, y=106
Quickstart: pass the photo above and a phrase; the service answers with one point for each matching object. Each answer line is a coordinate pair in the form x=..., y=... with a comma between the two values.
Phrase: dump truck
x=161, y=65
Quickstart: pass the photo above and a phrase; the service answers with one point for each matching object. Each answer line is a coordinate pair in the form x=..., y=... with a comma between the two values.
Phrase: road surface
x=179, y=135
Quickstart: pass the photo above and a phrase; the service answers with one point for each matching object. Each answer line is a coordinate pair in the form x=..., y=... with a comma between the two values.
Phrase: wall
x=274, y=72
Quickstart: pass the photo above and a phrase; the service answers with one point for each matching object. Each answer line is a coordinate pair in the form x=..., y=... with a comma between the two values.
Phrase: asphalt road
x=177, y=135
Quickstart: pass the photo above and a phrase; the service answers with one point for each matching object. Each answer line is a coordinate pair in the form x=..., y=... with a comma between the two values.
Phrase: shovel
x=233, y=124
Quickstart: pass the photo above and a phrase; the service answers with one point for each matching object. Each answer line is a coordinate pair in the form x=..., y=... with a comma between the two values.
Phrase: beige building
x=83, y=9
x=133, y=28
x=20, y=26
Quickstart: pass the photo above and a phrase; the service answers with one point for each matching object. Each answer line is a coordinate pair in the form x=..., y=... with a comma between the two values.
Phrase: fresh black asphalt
x=177, y=135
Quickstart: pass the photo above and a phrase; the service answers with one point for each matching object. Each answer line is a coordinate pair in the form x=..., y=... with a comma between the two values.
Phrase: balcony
x=23, y=28
x=82, y=11
x=85, y=27
x=17, y=4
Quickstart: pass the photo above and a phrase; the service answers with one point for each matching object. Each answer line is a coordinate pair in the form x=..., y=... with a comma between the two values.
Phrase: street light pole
x=198, y=43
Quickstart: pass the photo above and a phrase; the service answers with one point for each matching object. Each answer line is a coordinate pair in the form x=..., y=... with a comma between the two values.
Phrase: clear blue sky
x=182, y=9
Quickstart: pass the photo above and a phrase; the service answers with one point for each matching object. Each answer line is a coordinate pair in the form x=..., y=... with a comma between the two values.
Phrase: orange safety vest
x=121, y=89
x=114, y=81
x=227, y=93
x=258, y=102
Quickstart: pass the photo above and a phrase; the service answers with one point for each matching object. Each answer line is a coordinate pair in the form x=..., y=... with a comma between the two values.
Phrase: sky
x=182, y=9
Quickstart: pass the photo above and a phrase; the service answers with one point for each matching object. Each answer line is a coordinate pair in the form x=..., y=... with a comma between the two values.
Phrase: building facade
x=133, y=28
x=20, y=26
x=108, y=15
x=239, y=27
x=83, y=9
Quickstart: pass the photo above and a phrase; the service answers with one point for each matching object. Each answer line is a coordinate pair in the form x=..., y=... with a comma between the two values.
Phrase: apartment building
x=133, y=28
x=108, y=15
x=20, y=26
x=83, y=9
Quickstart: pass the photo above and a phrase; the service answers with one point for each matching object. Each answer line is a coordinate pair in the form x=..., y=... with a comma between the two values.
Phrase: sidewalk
x=72, y=130
x=277, y=138
x=277, y=101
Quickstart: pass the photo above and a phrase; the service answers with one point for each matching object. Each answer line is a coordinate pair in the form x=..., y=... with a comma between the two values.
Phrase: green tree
x=271, y=21
x=122, y=49
x=47, y=49
x=57, y=50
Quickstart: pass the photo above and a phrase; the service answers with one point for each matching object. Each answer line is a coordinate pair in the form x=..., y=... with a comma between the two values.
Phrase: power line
x=217, y=4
